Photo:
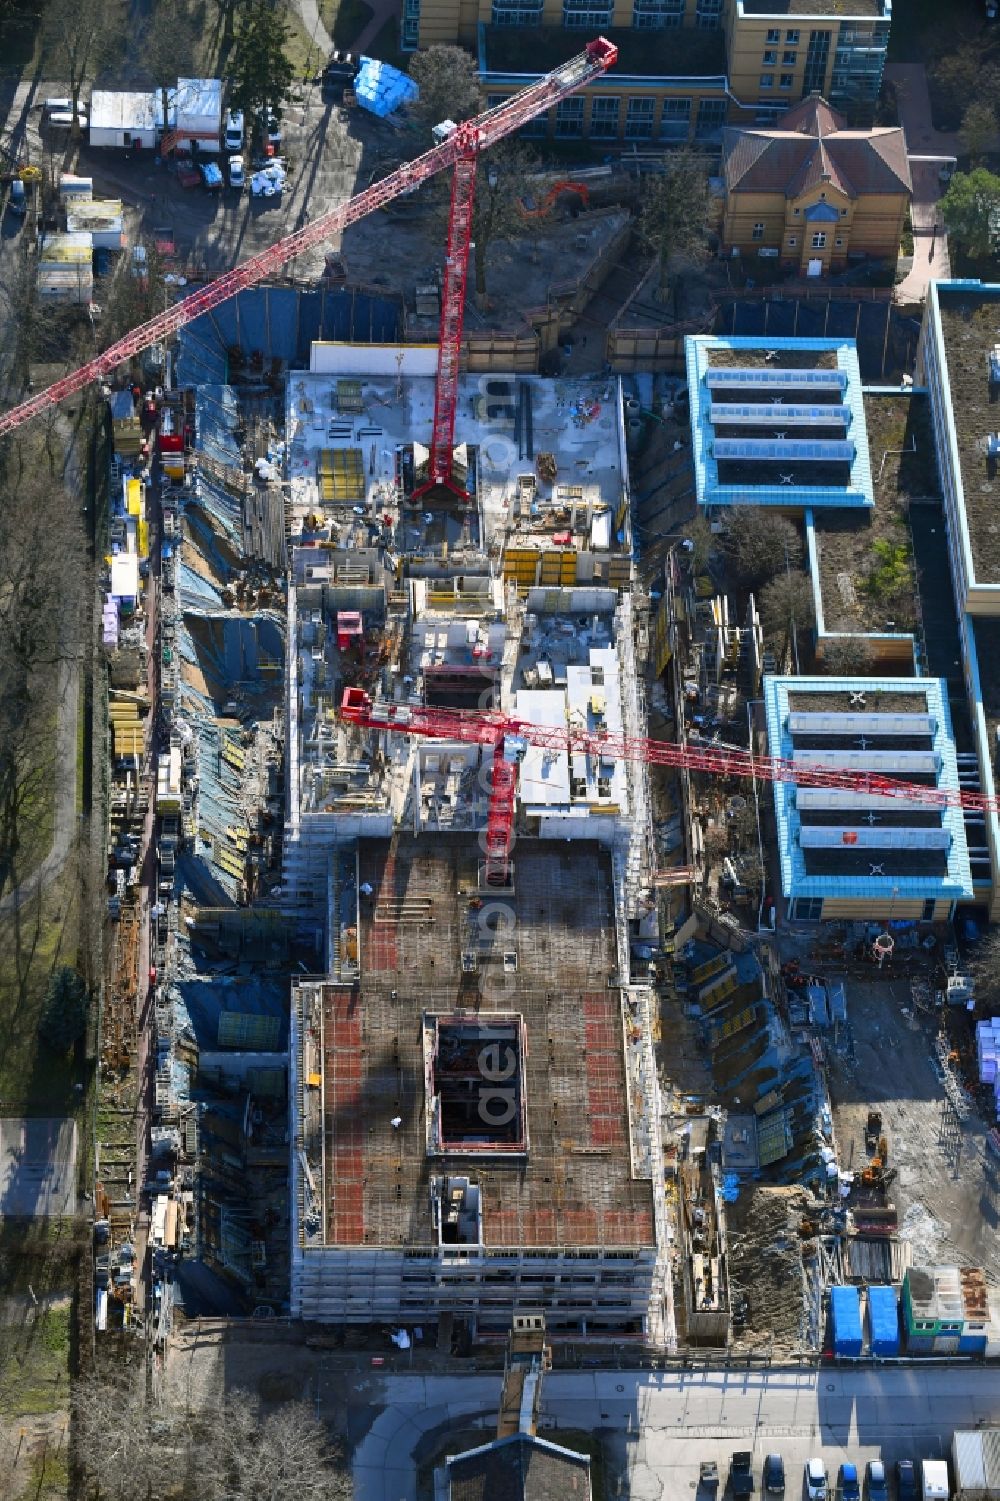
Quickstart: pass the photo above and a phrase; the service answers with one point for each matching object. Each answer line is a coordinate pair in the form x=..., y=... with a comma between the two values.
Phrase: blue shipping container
x=845, y=1319
x=883, y=1321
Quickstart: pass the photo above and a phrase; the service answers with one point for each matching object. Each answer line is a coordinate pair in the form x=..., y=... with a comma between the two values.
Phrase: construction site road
x=656, y=1428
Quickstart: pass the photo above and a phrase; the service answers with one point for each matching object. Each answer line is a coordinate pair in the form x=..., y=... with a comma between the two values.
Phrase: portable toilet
x=883, y=1322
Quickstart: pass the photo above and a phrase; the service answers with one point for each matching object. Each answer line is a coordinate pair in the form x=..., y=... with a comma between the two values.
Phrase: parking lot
x=327, y=152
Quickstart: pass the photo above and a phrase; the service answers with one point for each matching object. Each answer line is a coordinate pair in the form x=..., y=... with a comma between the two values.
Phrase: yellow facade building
x=686, y=67
x=812, y=193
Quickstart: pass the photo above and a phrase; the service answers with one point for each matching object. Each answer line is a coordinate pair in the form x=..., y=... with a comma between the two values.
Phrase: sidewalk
x=931, y=261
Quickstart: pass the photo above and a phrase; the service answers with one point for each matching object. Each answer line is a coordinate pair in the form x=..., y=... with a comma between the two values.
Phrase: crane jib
x=492, y=729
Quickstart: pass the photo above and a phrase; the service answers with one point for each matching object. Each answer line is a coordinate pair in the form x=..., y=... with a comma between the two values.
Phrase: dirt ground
x=945, y=1197
x=765, y=1266
x=845, y=539
x=791, y=359
x=971, y=327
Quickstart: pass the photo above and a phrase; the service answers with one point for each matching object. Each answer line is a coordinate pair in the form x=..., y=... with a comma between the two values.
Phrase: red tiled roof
x=810, y=144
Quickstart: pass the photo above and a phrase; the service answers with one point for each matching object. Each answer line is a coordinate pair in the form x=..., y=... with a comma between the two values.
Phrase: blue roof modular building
x=958, y=359
x=855, y=854
x=883, y=1322
x=845, y=1321
x=778, y=424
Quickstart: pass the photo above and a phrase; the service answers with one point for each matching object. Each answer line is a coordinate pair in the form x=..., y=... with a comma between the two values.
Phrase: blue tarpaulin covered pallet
x=383, y=89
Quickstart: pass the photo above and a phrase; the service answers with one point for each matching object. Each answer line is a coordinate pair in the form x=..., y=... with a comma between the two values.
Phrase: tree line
x=124, y=1447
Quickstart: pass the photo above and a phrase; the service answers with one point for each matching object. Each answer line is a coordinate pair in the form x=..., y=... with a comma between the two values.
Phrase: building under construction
x=475, y=1115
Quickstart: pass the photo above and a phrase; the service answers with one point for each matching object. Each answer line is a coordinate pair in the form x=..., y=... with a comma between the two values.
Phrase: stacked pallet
x=341, y=475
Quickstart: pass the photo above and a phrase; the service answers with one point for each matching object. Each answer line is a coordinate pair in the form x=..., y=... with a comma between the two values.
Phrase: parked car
x=906, y=1480
x=237, y=173
x=270, y=131
x=876, y=1481
x=340, y=72
x=815, y=1479
x=18, y=200
x=233, y=136
x=773, y=1479
x=741, y=1473
x=847, y=1482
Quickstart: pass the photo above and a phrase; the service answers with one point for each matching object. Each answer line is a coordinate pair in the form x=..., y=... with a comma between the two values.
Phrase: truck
x=934, y=1483
x=741, y=1473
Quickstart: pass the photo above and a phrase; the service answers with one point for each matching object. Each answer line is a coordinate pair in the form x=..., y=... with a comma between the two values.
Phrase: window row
x=786, y=81
x=647, y=15
x=640, y=121
x=818, y=239
x=791, y=37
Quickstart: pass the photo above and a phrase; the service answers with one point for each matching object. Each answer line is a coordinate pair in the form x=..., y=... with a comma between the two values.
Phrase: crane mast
x=457, y=150
x=506, y=734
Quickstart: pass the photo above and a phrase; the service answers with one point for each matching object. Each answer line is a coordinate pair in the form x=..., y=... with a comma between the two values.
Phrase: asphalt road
x=656, y=1428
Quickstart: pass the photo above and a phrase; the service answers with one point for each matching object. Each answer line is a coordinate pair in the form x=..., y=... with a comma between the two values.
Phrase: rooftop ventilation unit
x=807, y=722
x=783, y=451
x=728, y=378
x=778, y=415
x=836, y=837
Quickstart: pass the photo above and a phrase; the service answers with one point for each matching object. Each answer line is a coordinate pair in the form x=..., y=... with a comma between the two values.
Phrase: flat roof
x=753, y=461
x=970, y=328
x=835, y=10
x=113, y=109
x=681, y=52
x=345, y=449
x=852, y=846
x=575, y=1186
x=198, y=96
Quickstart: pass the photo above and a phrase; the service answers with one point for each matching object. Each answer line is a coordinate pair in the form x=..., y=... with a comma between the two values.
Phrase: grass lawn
x=345, y=20
x=35, y=1354
x=912, y=19
x=44, y=934
x=304, y=53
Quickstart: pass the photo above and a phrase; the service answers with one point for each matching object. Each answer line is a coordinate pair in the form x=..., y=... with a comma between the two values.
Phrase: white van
x=58, y=106
x=234, y=130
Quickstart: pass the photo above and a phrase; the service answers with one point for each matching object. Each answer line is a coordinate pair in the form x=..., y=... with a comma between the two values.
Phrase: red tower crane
x=508, y=737
x=458, y=150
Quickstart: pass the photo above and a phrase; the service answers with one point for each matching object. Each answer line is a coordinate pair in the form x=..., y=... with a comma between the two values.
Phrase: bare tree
x=111, y=1439
x=848, y=656
x=282, y=1455
x=502, y=183
x=79, y=36
x=449, y=85
x=978, y=132
x=786, y=607
x=39, y=599
x=759, y=543
x=674, y=213
x=166, y=50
